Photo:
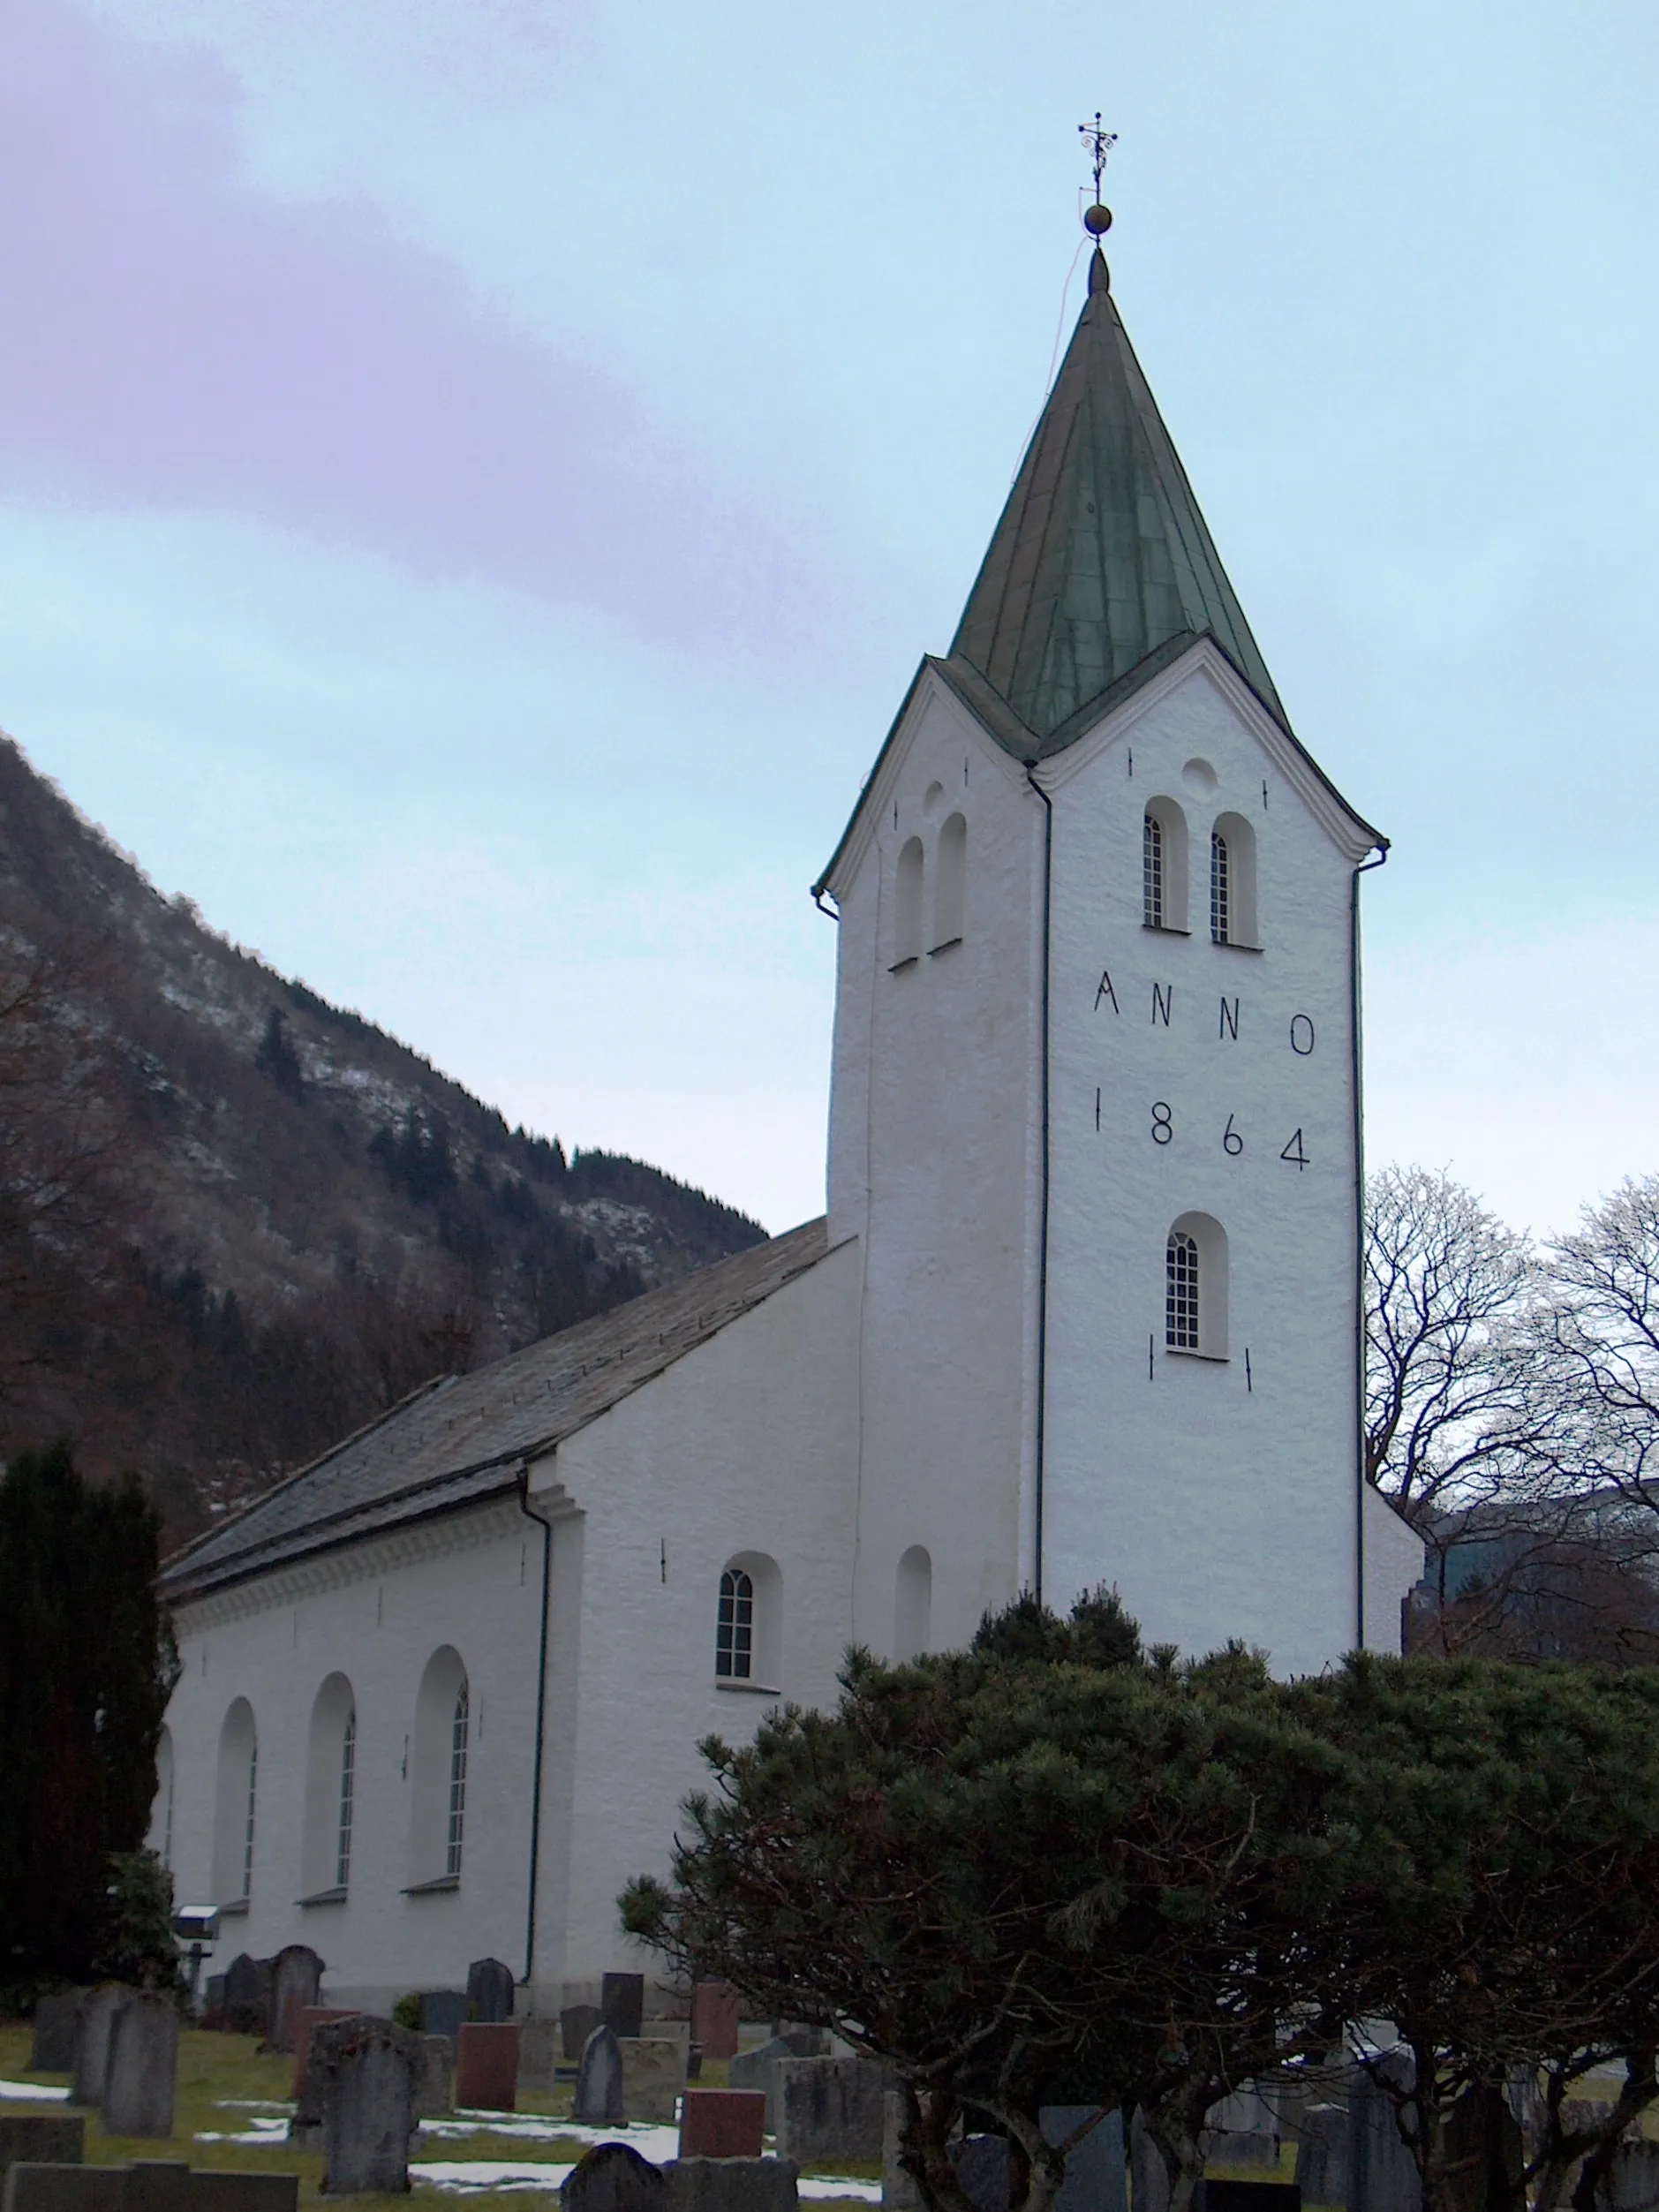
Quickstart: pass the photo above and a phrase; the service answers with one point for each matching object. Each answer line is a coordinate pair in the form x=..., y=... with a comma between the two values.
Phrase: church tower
x=1095, y=1118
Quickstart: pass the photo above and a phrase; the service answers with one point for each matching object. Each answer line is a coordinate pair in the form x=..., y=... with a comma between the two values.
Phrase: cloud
x=173, y=340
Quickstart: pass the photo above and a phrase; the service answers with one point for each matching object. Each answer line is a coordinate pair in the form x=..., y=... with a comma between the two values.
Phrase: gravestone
x=1239, y=2147
x=613, y=2177
x=1247, y=2196
x=599, y=2081
x=1633, y=2185
x=295, y=1981
x=722, y=2124
x=804, y=2042
x=758, y=2069
x=982, y=2170
x=149, y=2185
x=365, y=2070
x=828, y=2108
x=442, y=2013
x=1246, y=2112
x=312, y=2017
x=1149, y=2176
x=716, y=2011
x=248, y=1995
x=141, y=2069
x=899, y=2191
x=1484, y=2157
x=1383, y=2177
x=51, y=2138
x=1323, y=2157
x=653, y=2074
x=577, y=2023
x=489, y=1992
x=432, y=2076
x=732, y=2185
x=538, y=2053
x=92, y=2016
x=213, y=2002
x=623, y=2003
x=53, y=2047
x=487, y=2066
x=1095, y=2179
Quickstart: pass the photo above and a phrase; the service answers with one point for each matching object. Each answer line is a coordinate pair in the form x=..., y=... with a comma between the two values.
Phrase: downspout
x=546, y=1527
x=1364, y=868
x=1041, y=1273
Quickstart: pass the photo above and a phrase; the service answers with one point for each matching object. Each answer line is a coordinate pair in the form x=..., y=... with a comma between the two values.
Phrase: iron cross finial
x=1099, y=142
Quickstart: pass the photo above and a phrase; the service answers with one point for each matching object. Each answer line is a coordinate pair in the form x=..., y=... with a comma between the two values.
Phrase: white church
x=1084, y=1307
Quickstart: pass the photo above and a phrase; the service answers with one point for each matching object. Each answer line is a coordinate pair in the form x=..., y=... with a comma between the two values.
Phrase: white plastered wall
x=934, y=1164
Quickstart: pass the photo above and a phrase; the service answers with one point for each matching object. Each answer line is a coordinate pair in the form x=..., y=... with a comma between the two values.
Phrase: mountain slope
x=237, y=1221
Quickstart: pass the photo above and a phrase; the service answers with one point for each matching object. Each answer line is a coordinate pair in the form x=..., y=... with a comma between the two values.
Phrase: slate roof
x=460, y=1439
x=1101, y=556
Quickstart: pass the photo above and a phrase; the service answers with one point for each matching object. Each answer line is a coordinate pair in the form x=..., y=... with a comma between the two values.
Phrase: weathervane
x=1098, y=143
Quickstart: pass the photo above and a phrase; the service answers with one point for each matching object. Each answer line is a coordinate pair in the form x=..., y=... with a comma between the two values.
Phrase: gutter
x=546, y=1526
x=1042, y=1276
x=1364, y=868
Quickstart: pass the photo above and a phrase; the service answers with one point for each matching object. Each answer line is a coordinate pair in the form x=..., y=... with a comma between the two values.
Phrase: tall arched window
x=236, y=1806
x=1196, y=1286
x=455, y=1830
x=1220, y=911
x=912, y=1605
x=907, y=905
x=1164, y=865
x=330, y=1792
x=1232, y=921
x=440, y=1753
x=1181, y=1296
x=735, y=1634
x=950, y=883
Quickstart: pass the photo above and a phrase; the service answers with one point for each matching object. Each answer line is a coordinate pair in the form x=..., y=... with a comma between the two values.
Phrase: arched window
x=907, y=905
x=1164, y=865
x=912, y=1605
x=735, y=1636
x=236, y=1806
x=749, y=1627
x=1220, y=912
x=330, y=1790
x=439, y=1757
x=1232, y=918
x=1196, y=1286
x=950, y=885
x=456, y=1829
x=161, y=1837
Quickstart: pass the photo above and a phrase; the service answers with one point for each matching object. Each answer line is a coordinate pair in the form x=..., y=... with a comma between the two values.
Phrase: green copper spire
x=1101, y=556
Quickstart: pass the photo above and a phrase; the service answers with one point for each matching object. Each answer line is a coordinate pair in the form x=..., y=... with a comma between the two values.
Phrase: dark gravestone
x=434, y=2093
x=248, y=1995
x=489, y=1992
x=623, y=2003
x=93, y=2017
x=213, y=2002
x=312, y=2017
x=1247, y=2196
x=487, y=2066
x=1095, y=2178
x=828, y=2108
x=295, y=1984
x=442, y=2013
x=716, y=2011
x=982, y=2171
x=732, y=2185
x=1484, y=2158
x=1383, y=2175
x=758, y=2069
x=56, y=2017
x=599, y=2081
x=142, y=2071
x=149, y=2185
x=364, y=2070
x=723, y=2124
x=55, y=2139
x=1633, y=2185
x=577, y=2023
x=1322, y=2156
x=613, y=2177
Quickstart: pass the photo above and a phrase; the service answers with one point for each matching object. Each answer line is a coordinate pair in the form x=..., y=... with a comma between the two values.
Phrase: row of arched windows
x=747, y=1623
x=1164, y=873
x=438, y=1751
x=918, y=926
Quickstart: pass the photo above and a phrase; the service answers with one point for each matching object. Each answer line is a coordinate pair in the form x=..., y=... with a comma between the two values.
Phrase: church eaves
x=1101, y=560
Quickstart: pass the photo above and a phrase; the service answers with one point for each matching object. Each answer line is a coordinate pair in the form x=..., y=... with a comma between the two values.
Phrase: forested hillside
x=235, y=1221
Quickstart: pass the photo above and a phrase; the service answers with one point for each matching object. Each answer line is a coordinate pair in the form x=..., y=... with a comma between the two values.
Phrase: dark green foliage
x=86, y=1664
x=139, y=1947
x=277, y=1059
x=407, y=2012
x=1039, y=1871
x=416, y=1160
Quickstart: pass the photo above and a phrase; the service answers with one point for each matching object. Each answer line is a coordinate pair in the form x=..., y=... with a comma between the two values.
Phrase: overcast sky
x=477, y=476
